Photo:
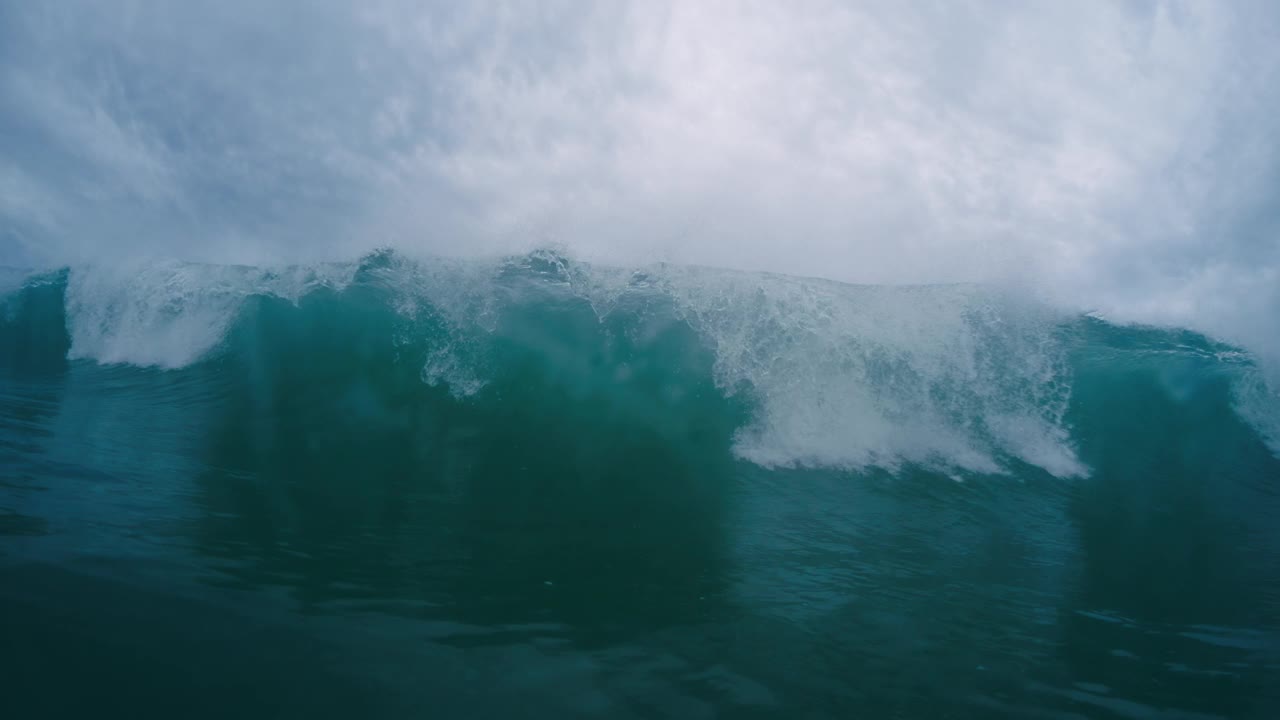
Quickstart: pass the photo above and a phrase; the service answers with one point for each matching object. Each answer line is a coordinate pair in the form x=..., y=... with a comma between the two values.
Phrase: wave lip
x=170, y=315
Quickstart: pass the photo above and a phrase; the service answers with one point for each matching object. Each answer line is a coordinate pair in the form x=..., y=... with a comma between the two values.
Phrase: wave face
x=789, y=372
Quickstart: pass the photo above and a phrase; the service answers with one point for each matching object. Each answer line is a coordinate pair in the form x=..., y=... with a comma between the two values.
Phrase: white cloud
x=1115, y=155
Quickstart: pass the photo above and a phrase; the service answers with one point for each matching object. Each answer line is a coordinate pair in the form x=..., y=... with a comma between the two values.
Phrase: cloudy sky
x=1121, y=156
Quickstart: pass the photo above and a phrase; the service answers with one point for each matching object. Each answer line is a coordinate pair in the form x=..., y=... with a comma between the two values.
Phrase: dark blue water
x=344, y=507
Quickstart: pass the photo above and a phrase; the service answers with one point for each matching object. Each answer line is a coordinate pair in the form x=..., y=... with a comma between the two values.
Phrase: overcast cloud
x=1119, y=156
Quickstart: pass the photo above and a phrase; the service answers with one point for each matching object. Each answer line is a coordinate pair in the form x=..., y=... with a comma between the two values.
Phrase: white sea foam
x=854, y=376
x=457, y=294
x=171, y=314
x=1258, y=402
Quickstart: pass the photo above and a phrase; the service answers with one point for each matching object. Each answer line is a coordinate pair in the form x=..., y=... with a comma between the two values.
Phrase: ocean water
x=540, y=488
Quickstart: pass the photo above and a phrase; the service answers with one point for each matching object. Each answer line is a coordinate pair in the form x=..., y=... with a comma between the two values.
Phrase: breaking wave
x=783, y=371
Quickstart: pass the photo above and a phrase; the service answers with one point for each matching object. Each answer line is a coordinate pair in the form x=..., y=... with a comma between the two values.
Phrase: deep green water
x=504, y=501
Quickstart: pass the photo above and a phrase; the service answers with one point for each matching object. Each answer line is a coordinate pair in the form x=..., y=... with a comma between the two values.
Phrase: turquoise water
x=535, y=488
